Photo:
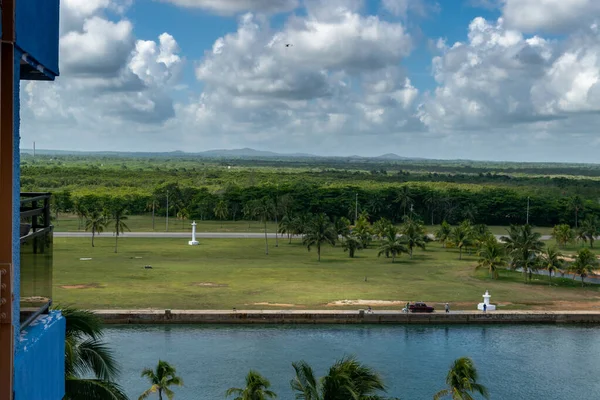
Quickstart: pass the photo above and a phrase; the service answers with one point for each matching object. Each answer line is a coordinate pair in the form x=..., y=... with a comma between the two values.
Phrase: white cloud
x=109, y=81
x=300, y=61
x=500, y=84
x=572, y=83
x=486, y=81
x=339, y=76
x=402, y=8
x=101, y=49
x=230, y=7
x=556, y=16
x=74, y=13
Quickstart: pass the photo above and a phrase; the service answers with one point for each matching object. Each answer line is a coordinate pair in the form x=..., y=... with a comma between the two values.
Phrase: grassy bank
x=226, y=273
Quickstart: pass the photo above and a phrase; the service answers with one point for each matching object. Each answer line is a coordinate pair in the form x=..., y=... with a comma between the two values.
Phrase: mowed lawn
x=226, y=273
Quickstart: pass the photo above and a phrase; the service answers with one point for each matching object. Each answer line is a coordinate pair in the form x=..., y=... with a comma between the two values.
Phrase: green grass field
x=226, y=273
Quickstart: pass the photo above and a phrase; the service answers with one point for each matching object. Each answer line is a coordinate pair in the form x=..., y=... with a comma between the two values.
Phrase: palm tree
x=413, y=235
x=551, y=261
x=81, y=212
x=585, y=263
x=276, y=211
x=184, y=214
x=432, y=200
x=363, y=230
x=90, y=366
x=375, y=204
x=286, y=226
x=286, y=204
x=161, y=379
x=264, y=209
x=346, y=379
x=380, y=227
x=481, y=234
x=257, y=388
x=221, y=210
x=300, y=224
x=404, y=198
x=392, y=245
x=462, y=381
x=342, y=227
x=469, y=212
x=151, y=206
x=320, y=231
x=118, y=218
x=523, y=245
x=581, y=236
x=351, y=245
x=95, y=221
x=576, y=204
x=460, y=236
x=591, y=228
x=248, y=211
x=492, y=257
x=443, y=233
x=563, y=234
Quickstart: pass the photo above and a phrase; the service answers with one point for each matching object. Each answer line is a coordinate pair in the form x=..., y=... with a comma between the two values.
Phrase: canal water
x=514, y=362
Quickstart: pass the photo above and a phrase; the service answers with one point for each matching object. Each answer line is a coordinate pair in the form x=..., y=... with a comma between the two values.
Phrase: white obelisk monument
x=486, y=301
x=193, y=242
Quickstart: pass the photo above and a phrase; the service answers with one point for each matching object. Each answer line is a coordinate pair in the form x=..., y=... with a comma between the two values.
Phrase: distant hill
x=219, y=153
x=390, y=156
x=247, y=152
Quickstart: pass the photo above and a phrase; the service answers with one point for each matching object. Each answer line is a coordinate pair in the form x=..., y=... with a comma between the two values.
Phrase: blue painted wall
x=40, y=349
x=37, y=26
x=40, y=360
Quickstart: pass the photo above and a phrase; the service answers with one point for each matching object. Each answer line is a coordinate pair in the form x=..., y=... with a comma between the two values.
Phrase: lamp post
x=356, y=209
x=167, y=227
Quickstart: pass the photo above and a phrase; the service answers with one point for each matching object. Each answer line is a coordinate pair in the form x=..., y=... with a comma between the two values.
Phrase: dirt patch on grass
x=210, y=284
x=366, y=303
x=262, y=303
x=567, y=258
x=82, y=286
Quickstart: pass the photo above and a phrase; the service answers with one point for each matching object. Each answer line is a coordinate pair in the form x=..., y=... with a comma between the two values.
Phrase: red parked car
x=419, y=307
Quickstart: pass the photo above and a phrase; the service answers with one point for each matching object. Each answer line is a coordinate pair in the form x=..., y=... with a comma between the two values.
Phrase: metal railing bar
x=37, y=233
x=32, y=212
x=37, y=197
x=43, y=309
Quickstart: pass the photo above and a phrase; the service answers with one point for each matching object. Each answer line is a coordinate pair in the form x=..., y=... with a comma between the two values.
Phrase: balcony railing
x=36, y=256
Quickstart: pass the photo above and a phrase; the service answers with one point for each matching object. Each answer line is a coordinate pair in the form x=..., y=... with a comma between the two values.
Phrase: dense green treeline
x=432, y=203
x=143, y=177
x=204, y=189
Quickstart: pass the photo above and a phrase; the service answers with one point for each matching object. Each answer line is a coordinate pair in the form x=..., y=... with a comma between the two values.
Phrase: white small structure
x=193, y=242
x=486, y=301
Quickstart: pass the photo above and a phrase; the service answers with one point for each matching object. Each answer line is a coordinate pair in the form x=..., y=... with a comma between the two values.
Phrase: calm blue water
x=515, y=362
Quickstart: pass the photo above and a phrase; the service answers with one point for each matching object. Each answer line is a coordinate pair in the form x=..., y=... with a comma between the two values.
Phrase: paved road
x=188, y=235
x=590, y=279
x=199, y=235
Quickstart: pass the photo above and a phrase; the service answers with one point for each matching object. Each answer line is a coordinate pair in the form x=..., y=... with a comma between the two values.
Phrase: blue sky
x=363, y=77
x=196, y=30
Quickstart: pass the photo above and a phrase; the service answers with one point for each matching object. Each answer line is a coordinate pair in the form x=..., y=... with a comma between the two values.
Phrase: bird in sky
x=288, y=45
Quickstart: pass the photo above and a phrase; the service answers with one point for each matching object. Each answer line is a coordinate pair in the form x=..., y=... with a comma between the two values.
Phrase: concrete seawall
x=343, y=317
